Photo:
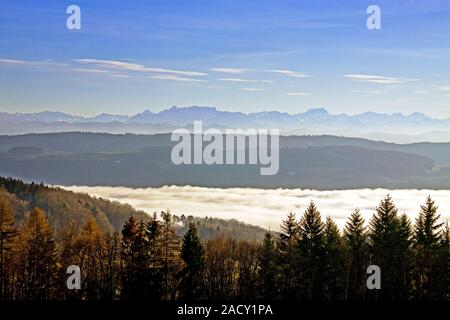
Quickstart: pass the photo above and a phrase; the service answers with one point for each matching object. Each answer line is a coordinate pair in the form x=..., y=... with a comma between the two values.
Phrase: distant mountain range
x=394, y=127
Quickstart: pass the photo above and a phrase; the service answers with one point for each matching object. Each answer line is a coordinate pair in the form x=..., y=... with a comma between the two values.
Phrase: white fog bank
x=266, y=207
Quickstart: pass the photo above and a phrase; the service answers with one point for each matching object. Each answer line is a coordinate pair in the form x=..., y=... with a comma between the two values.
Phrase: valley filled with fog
x=266, y=207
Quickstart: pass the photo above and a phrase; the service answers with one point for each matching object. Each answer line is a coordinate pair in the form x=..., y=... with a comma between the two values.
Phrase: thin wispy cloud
x=375, y=92
x=298, y=94
x=100, y=72
x=433, y=53
x=111, y=68
x=251, y=89
x=87, y=70
x=118, y=75
x=135, y=67
x=378, y=79
x=244, y=80
x=218, y=87
x=423, y=91
x=172, y=77
x=32, y=63
x=289, y=73
x=229, y=70
x=443, y=88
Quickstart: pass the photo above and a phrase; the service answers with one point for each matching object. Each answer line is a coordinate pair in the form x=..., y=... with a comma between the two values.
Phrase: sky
x=248, y=56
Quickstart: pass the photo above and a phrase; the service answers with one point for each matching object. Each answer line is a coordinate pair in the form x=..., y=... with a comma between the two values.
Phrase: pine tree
x=7, y=234
x=135, y=260
x=171, y=256
x=154, y=236
x=404, y=263
x=443, y=284
x=334, y=261
x=39, y=257
x=427, y=228
x=310, y=265
x=427, y=236
x=356, y=247
x=383, y=236
x=192, y=253
x=287, y=250
x=268, y=272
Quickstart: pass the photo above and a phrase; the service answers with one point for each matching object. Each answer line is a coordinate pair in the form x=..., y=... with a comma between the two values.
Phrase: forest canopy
x=165, y=257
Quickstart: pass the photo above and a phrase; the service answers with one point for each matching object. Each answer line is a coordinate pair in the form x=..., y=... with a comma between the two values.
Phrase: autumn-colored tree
x=91, y=253
x=134, y=259
x=221, y=273
x=39, y=258
x=7, y=233
x=246, y=255
x=171, y=262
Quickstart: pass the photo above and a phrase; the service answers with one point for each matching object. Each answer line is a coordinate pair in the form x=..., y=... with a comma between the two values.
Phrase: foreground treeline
x=308, y=259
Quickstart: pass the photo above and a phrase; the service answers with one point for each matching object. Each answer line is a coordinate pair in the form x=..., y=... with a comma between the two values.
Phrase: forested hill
x=65, y=208
x=308, y=162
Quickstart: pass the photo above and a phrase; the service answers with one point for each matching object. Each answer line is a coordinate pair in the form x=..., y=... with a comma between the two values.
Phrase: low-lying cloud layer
x=267, y=207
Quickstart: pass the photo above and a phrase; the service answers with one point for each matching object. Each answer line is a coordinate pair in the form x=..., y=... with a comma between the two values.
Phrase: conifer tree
x=192, y=274
x=443, y=284
x=356, y=247
x=404, y=263
x=310, y=265
x=334, y=261
x=171, y=256
x=155, y=250
x=384, y=241
x=287, y=253
x=427, y=229
x=427, y=237
x=268, y=272
x=135, y=260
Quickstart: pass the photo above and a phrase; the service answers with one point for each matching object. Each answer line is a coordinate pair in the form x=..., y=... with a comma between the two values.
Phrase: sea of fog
x=266, y=207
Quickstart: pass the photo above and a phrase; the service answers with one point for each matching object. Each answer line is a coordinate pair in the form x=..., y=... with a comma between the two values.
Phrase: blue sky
x=247, y=56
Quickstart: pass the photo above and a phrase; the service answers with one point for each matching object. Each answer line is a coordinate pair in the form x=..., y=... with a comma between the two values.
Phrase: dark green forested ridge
x=309, y=259
x=308, y=162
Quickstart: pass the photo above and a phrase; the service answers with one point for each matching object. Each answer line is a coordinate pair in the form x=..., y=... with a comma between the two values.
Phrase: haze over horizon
x=150, y=109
